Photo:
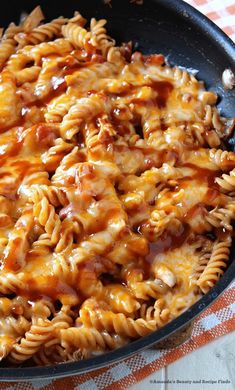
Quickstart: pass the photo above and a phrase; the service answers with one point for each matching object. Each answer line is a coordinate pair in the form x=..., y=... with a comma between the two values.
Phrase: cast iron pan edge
x=227, y=48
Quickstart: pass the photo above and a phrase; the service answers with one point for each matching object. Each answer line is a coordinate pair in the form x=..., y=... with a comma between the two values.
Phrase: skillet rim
x=63, y=370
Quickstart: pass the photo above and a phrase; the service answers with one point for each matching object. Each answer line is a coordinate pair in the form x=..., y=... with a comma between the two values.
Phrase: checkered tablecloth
x=216, y=321
x=222, y=12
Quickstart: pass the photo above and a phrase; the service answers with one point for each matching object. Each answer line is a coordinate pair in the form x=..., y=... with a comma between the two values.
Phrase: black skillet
x=187, y=38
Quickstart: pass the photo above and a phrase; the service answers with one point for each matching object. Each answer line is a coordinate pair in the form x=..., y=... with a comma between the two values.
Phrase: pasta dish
x=117, y=193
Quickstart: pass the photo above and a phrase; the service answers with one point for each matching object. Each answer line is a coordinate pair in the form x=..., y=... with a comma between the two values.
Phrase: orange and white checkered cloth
x=216, y=321
x=222, y=12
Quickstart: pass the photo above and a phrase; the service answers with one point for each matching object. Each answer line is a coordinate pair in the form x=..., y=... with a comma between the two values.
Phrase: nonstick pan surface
x=186, y=38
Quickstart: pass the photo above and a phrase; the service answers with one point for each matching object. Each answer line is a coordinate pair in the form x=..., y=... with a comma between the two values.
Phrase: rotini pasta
x=157, y=313
x=8, y=43
x=117, y=196
x=215, y=266
x=41, y=33
x=78, y=35
x=85, y=108
x=89, y=338
x=227, y=182
x=37, y=335
x=117, y=323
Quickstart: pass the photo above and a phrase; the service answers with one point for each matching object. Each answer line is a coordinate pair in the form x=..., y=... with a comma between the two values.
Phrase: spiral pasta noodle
x=33, y=340
x=55, y=195
x=51, y=351
x=227, y=182
x=99, y=36
x=78, y=35
x=83, y=109
x=42, y=246
x=148, y=289
x=41, y=33
x=10, y=282
x=16, y=327
x=222, y=158
x=222, y=217
x=89, y=338
x=157, y=313
x=8, y=43
x=103, y=42
x=47, y=217
x=58, y=109
x=215, y=266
